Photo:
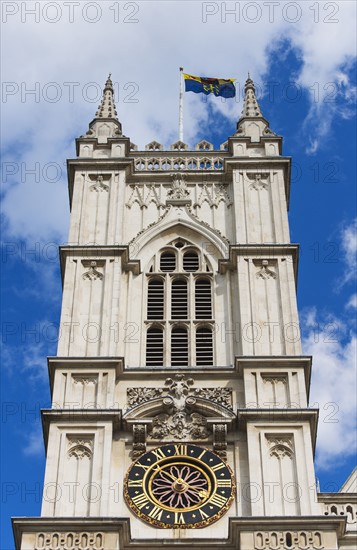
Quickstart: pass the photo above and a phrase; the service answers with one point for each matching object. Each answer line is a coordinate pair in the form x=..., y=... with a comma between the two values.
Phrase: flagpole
x=181, y=107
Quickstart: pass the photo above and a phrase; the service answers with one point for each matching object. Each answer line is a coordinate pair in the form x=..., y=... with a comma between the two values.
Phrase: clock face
x=179, y=486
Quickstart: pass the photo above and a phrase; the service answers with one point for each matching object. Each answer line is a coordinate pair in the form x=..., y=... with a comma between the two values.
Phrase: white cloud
x=352, y=302
x=34, y=441
x=333, y=389
x=349, y=248
x=147, y=53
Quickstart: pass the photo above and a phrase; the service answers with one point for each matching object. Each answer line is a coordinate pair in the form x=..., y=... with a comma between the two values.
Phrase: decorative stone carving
x=264, y=271
x=337, y=509
x=214, y=194
x=259, y=181
x=187, y=162
x=139, y=440
x=179, y=146
x=99, y=185
x=280, y=446
x=179, y=387
x=204, y=146
x=224, y=146
x=93, y=273
x=144, y=195
x=80, y=447
x=83, y=540
x=136, y=396
x=220, y=440
x=179, y=421
x=294, y=540
x=154, y=146
x=275, y=379
x=179, y=426
x=85, y=379
x=178, y=194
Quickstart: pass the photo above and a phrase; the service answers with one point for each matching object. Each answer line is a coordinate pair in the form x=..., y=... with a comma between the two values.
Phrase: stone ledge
x=263, y=531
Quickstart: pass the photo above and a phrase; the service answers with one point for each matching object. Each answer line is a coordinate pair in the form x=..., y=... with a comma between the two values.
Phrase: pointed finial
x=107, y=107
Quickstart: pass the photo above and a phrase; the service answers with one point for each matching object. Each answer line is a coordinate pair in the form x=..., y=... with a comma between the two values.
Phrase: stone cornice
x=98, y=251
x=261, y=251
x=102, y=363
x=284, y=362
x=237, y=526
x=285, y=416
x=88, y=416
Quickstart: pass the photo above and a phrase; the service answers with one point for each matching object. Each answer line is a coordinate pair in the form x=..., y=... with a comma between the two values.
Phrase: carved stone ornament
x=264, y=271
x=80, y=447
x=93, y=272
x=143, y=195
x=220, y=440
x=82, y=540
x=99, y=185
x=259, y=181
x=139, y=440
x=178, y=396
x=178, y=192
x=213, y=194
x=180, y=425
x=280, y=540
x=280, y=446
x=178, y=387
x=85, y=379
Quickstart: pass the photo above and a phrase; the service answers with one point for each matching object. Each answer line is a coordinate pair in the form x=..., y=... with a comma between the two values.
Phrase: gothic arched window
x=179, y=316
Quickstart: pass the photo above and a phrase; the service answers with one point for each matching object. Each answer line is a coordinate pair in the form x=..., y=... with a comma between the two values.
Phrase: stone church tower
x=180, y=413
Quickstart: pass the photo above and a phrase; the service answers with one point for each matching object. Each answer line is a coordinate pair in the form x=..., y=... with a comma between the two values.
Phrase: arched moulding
x=189, y=227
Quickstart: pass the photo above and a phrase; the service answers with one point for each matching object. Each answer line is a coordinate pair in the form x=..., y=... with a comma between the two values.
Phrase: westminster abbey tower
x=180, y=414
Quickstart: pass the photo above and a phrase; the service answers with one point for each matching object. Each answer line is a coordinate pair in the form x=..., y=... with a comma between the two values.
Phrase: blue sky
x=304, y=66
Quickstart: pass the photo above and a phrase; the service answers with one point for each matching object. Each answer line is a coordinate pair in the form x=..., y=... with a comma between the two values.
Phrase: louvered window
x=203, y=299
x=155, y=347
x=204, y=346
x=179, y=305
x=180, y=309
x=190, y=261
x=168, y=262
x=179, y=347
x=155, y=299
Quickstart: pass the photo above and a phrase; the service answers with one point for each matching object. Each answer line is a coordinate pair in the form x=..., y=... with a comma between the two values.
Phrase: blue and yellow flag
x=216, y=86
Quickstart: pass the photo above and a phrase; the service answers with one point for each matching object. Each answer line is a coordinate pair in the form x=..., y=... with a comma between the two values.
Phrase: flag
x=216, y=86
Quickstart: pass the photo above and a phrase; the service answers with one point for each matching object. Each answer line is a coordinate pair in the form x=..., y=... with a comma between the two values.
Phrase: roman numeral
x=156, y=513
x=159, y=453
x=180, y=449
x=203, y=514
x=134, y=483
x=224, y=483
x=217, y=467
x=218, y=500
x=143, y=466
x=179, y=518
x=140, y=500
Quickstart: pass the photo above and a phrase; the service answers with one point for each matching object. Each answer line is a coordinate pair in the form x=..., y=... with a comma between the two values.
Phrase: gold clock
x=179, y=486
